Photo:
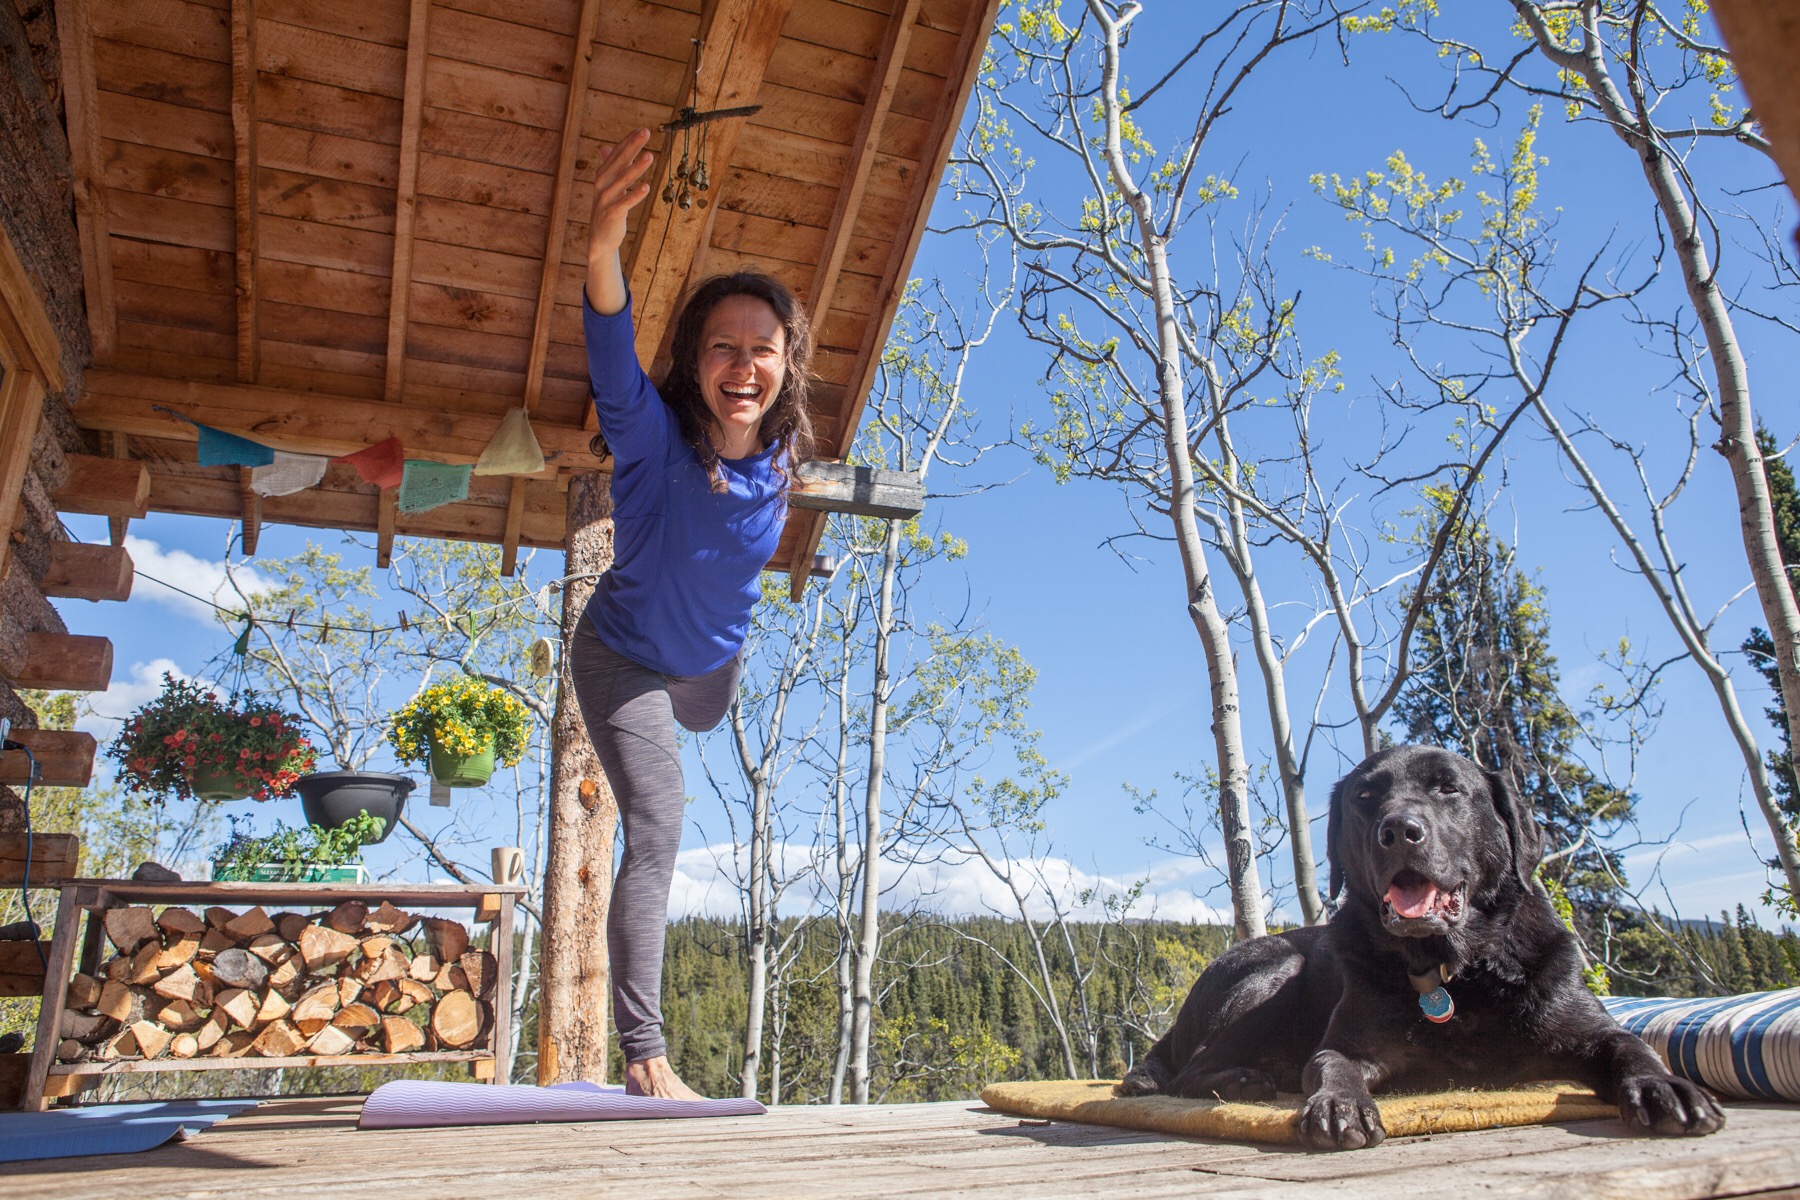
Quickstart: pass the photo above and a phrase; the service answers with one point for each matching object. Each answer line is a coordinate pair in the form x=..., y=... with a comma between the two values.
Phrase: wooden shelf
x=90, y=898
x=54, y=857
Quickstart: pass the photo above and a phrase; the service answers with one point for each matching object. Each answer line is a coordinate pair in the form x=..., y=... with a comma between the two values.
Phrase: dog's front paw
x=1341, y=1122
x=1668, y=1105
x=1141, y=1080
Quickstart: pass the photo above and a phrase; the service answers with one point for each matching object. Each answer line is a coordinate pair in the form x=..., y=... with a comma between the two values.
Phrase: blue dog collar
x=1434, y=1001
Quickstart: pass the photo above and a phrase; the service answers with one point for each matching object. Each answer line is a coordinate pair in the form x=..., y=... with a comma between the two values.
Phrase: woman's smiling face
x=742, y=363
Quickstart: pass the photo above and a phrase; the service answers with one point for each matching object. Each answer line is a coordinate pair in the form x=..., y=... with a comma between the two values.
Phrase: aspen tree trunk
x=757, y=935
x=846, y=956
x=868, y=941
x=574, y=989
x=1202, y=603
x=1737, y=422
x=1281, y=725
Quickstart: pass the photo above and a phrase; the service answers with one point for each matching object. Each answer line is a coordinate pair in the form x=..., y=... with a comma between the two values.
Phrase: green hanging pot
x=462, y=770
x=219, y=783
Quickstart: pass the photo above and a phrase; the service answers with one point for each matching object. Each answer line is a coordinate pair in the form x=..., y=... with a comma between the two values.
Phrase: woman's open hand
x=619, y=187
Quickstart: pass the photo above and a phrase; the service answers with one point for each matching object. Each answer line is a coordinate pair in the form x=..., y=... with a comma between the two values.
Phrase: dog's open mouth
x=1412, y=897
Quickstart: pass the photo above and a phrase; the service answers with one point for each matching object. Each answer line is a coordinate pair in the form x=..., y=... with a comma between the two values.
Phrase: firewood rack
x=47, y=1079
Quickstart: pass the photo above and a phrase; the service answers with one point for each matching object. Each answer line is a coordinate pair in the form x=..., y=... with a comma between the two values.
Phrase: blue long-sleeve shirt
x=685, y=560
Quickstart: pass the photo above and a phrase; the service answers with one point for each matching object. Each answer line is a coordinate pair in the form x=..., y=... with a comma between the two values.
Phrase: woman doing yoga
x=701, y=466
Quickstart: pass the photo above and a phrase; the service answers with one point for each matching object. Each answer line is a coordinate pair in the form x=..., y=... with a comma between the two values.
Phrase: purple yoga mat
x=423, y=1103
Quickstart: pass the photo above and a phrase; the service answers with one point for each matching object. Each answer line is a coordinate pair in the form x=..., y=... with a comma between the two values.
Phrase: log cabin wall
x=37, y=216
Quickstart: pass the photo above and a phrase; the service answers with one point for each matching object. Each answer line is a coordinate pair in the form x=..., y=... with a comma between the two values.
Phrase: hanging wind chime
x=689, y=181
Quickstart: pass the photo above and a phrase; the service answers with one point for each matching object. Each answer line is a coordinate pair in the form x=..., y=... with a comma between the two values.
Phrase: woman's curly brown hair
x=787, y=424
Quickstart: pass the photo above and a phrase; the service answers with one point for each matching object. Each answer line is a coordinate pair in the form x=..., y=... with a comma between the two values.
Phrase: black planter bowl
x=332, y=798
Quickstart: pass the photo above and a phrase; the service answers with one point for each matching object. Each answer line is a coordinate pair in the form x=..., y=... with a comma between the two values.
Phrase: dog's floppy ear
x=1333, y=823
x=1521, y=825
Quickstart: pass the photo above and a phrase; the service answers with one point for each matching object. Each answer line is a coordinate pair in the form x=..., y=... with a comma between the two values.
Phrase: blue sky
x=1121, y=696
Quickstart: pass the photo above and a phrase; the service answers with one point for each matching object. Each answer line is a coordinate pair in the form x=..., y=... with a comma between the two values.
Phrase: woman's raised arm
x=617, y=190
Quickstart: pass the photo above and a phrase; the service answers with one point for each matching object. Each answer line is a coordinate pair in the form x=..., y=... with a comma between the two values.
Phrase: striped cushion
x=1744, y=1046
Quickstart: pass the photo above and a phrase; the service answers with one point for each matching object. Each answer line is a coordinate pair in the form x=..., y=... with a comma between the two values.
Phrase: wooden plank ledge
x=21, y=970
x=54, y=859
x=863, y=491
x=65, y=758
x=66, y=662
x=80, y=571
x=108, y=487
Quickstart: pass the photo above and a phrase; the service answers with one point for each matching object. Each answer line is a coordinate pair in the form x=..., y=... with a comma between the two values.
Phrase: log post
x=574, y=981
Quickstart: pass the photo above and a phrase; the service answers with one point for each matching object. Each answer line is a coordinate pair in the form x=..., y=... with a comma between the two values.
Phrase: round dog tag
x=1437, y=1006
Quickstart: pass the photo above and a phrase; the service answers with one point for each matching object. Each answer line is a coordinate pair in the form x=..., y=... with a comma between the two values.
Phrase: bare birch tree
x=1136, y=349
x=1652, y=77
x=916, y=413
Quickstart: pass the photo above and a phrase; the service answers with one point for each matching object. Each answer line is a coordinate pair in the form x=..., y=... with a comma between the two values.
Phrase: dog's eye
x=1448, y=787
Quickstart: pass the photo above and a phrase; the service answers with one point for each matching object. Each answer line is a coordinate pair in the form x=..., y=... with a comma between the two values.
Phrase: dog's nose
x=1400, y=825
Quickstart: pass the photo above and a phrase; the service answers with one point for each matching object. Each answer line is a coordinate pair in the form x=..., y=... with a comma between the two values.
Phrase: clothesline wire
x=401, y=626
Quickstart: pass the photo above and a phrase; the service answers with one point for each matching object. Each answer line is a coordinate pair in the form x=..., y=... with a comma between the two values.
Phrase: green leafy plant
x=464, y=715
x=188, y=728
x=293, y=851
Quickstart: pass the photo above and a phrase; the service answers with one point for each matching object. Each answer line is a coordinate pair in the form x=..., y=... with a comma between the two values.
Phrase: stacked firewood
x=240, y=984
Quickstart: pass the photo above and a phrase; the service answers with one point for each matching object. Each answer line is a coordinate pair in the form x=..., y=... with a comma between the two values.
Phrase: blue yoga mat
x=108, y=1128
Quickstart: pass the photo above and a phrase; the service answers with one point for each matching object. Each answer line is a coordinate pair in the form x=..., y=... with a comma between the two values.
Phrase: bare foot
x=655, y=1077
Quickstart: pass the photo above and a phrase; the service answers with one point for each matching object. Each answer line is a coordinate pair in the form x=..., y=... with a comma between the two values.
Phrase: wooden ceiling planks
x=320, y=222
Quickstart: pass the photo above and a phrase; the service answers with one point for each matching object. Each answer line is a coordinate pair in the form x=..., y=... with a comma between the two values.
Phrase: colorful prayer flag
x=221, y=449
x=289, y=473
x=381, y=464
x=426, y=484
x=514, y=448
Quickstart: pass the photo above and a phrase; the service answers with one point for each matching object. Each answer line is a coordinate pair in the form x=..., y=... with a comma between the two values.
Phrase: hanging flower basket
x=217, y=783
x=461, y=770
x=189, y=744
x=463, y=728
x=331, y=799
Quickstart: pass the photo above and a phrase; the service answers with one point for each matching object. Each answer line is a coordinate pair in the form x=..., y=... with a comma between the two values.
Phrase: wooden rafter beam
x=30, y=357
x=21, y=411
x=736, y=42
x=885, y=79
x=243, y=129
x=561, y=201
x=81, y=112
x=386, y=509
x=406, y=198
x=515, y=522
x=943, y=136
x=299, y=422
x=119, y=524
x=24, y=324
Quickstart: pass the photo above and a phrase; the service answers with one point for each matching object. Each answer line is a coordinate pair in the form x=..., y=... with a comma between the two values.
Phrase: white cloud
x=160, y=572
x=705, y=884
x=123, y=696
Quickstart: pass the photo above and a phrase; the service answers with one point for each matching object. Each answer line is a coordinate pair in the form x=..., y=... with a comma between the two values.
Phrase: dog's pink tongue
x=1412, y=895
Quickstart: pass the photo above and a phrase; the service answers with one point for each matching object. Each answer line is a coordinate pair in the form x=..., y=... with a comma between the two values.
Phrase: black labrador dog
x=1444, y=967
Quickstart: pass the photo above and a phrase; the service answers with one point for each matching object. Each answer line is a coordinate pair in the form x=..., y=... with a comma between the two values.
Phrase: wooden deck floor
x=300, y=1148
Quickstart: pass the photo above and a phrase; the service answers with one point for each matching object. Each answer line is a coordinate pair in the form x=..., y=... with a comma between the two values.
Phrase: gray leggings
x=631, y=712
